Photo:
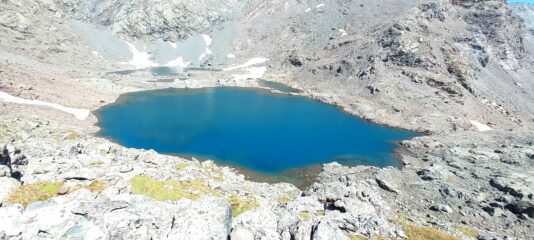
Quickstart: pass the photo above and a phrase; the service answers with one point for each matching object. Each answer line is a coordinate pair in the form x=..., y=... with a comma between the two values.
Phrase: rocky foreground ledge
x=57, y=183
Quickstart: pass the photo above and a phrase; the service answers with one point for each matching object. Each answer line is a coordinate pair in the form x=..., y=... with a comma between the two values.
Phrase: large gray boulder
x=208, y=218
x=7, y=185
x=325, y=231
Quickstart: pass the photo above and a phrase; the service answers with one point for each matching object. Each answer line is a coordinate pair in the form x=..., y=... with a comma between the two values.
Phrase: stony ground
x=432, y=66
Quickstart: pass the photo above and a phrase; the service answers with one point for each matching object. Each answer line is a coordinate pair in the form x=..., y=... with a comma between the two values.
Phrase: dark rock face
x=399, y=48
x=294, y=60
x=525, y=207
x=499, y=26
x=4, y=156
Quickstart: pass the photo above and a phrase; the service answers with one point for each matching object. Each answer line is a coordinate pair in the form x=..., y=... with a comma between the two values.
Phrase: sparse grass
x=304, y=214
x=181, y=166
x=96, y=163
x=415, y=232
x=308, y=214
x=29, y=193
x=425, y=233
x=72, y=135
x=218, y=176
x=241, y=205
x=468, y=232
x=355, y=236
x=168, y=190
x=213, y=170
x=284, y=199
x=97, y=186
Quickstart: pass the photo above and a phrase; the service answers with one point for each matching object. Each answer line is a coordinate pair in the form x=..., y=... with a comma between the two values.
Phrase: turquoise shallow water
x=247, y=128
x=521, y=1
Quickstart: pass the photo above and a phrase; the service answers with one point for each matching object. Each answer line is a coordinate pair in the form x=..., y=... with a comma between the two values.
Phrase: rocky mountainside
x=461, y=71
x=170, y=20
x=456, y=55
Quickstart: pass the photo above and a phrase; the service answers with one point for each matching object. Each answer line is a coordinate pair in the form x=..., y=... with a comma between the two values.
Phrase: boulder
x=385, y=180
x=261, y=223
x=241, y=233
x=442, y=208
x=208, y=218
x=10, y=221
x=325, y=231
x=434, y=172
x=7, y=185
x=5, y=171
x=493, y=211
x=95, y=209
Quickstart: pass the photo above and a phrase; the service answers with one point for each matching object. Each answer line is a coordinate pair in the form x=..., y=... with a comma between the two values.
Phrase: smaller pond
x=274, y=135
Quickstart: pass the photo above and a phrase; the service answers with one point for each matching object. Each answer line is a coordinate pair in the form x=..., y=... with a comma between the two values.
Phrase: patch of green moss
x=181, y=166
x=304, y=214
x=29, y=193
x=241, y=205
x=468, y=232
x=284, y=199
x=168, y=190
x=97, y=186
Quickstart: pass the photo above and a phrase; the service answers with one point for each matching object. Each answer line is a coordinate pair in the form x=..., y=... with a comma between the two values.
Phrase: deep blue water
x=248, y=128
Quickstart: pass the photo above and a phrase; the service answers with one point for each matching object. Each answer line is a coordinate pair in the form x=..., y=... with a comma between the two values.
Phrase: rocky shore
x=446, y=68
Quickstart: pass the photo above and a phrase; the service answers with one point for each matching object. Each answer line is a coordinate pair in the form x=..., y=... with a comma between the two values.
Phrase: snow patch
x=249, y=63
x=308, y=10
x=178, y=62
x=253, y=73
x=94, y=53
x=230, y=56
x=140, y=59
x=480, y=126
x=320, y=5
x=343, y=32
x=173, y=45
x=207, y=39
x=80, y=114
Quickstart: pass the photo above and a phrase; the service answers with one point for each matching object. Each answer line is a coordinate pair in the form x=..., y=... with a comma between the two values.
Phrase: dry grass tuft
x=169, y=189
x=29, y=193
x=241, y=205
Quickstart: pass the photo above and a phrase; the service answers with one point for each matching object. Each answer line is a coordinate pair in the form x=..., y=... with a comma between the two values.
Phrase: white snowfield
x=80, y=114
x=208, y=41
x=480, y=126
x=179, y=63
x=140, y=59
x=253, y=73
